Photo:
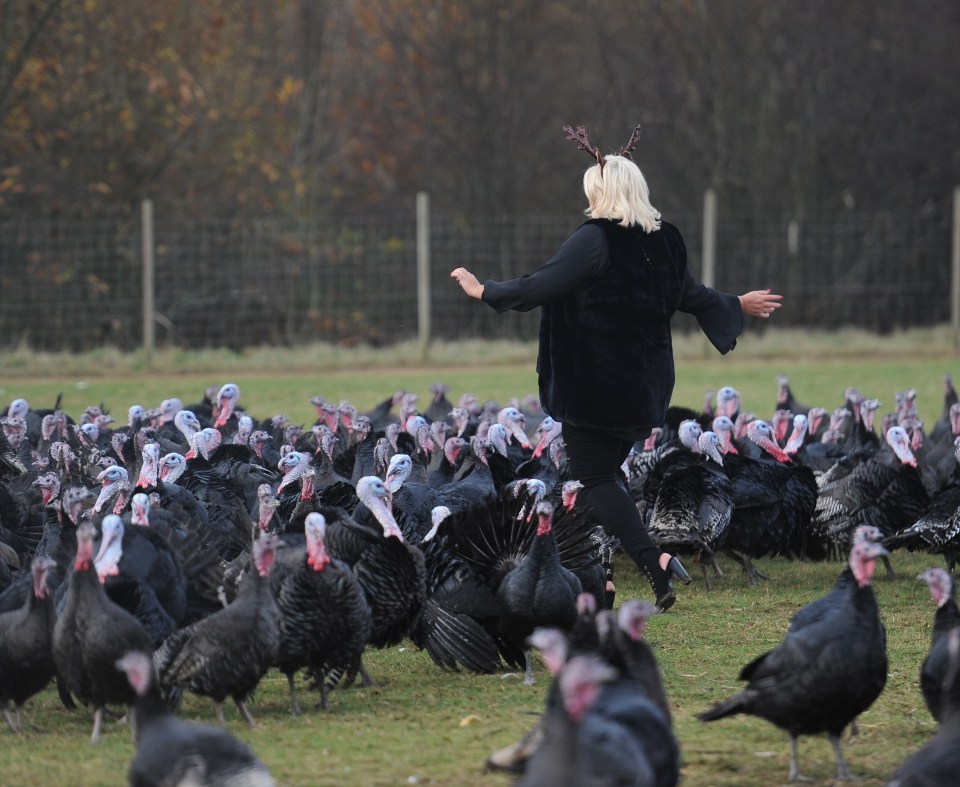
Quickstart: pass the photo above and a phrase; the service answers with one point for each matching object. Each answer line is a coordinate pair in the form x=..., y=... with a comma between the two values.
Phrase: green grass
x=426, y=726
x=422, y=725
x=820, y=367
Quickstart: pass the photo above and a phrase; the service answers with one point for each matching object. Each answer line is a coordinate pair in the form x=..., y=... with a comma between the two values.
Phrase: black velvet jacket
x=607, y=296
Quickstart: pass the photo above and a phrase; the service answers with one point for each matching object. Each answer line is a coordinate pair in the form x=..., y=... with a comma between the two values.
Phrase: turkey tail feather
x=730, y=707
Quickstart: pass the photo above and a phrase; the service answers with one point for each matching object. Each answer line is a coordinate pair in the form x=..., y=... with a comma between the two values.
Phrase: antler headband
x=579, y=135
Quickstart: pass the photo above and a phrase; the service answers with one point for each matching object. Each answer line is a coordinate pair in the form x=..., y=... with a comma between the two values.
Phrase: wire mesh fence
x=277, y=282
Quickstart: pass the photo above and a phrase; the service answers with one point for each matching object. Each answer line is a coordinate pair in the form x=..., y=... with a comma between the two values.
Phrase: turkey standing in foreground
x=823, y=674
x=945, y=619
x=227, y=653
x=618, y=640
x=26, y=634
x=171, y=751
x=604, y=730
x=91, y=634
x=326, y=618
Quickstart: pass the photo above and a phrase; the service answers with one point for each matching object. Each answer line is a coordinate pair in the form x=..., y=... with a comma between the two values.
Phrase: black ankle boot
x=662, y=586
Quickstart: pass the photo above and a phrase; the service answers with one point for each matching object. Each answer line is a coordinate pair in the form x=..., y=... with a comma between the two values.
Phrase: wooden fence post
x=423, y=273
x=955, y=271
x=708, y=261
x=708, y=274
x=149, y=305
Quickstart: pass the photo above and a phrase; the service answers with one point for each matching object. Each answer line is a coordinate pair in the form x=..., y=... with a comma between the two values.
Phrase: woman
x=605, y=361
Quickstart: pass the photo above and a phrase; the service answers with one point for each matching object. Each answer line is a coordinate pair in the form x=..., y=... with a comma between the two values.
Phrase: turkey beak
x=876, y=550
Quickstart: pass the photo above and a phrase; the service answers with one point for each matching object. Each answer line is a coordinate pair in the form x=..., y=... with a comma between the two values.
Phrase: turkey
x=141, y=573
x=693, y=507
x=326, y=617
x=584, y=545
x=473, y=486
x=818, y=455
x=381, y=414
x=440, y=407
x=171, y=751
x=881, y=488
x=946, y=423
x=939, y=454
x=90, y=634
x=488, y=470
x=937, y=531
x=785, y=400
x=391, y=572
x=487, y=542
x=227, y=653
x=26, y=639
x=823, y=674
x=157, y=478
x=605, y=729
x=223, y=474
x=679, y=453
x=411, y=501
x=444, y=467
x=539, y=591
x=617, y=638
x=945, y=619
x=225, y=408
x=937, y=763
x=457, y=626
x=773, y=502
x=820, y=608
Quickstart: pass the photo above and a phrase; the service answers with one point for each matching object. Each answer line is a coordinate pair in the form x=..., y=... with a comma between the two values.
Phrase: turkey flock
x=196, y=547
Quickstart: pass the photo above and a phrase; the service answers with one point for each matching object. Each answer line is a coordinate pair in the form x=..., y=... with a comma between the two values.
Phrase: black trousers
x=594, y=459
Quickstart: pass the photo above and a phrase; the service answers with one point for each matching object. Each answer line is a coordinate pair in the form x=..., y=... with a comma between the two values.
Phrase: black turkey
x=937, y=531
x=682, y=451
x=604, y=729
x=326, y=617
x=877, y=487
x=142, y=574
x=171, y=751
x=390, y=571
x=539, y=591
x=937, y=763
x=823, y=674
x=26, y=642
x=693, y=507
x=90, y=634
x=773, y=502
x=227, y=653
x=458, y=625
x=945, y=619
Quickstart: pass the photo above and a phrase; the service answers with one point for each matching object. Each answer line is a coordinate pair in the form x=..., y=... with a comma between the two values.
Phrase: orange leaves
x=289, y=90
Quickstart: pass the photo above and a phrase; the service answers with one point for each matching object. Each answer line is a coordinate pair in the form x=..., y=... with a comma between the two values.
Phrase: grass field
x=422, y=725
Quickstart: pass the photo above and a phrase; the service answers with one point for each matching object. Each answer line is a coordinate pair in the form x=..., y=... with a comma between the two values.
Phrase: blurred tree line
x=306, y=107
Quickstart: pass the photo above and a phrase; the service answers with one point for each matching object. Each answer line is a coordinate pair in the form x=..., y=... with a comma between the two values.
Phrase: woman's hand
x=760, y=303
x=471, y=284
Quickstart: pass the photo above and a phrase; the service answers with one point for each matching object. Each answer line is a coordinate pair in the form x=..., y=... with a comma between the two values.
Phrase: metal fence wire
x=76, y=286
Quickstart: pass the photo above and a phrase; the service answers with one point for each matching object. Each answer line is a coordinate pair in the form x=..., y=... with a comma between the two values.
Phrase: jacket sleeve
x=718, y=313
x=582, y=255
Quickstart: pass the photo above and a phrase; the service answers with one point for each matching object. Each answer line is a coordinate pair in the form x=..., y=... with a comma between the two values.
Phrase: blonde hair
x=620, y=193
